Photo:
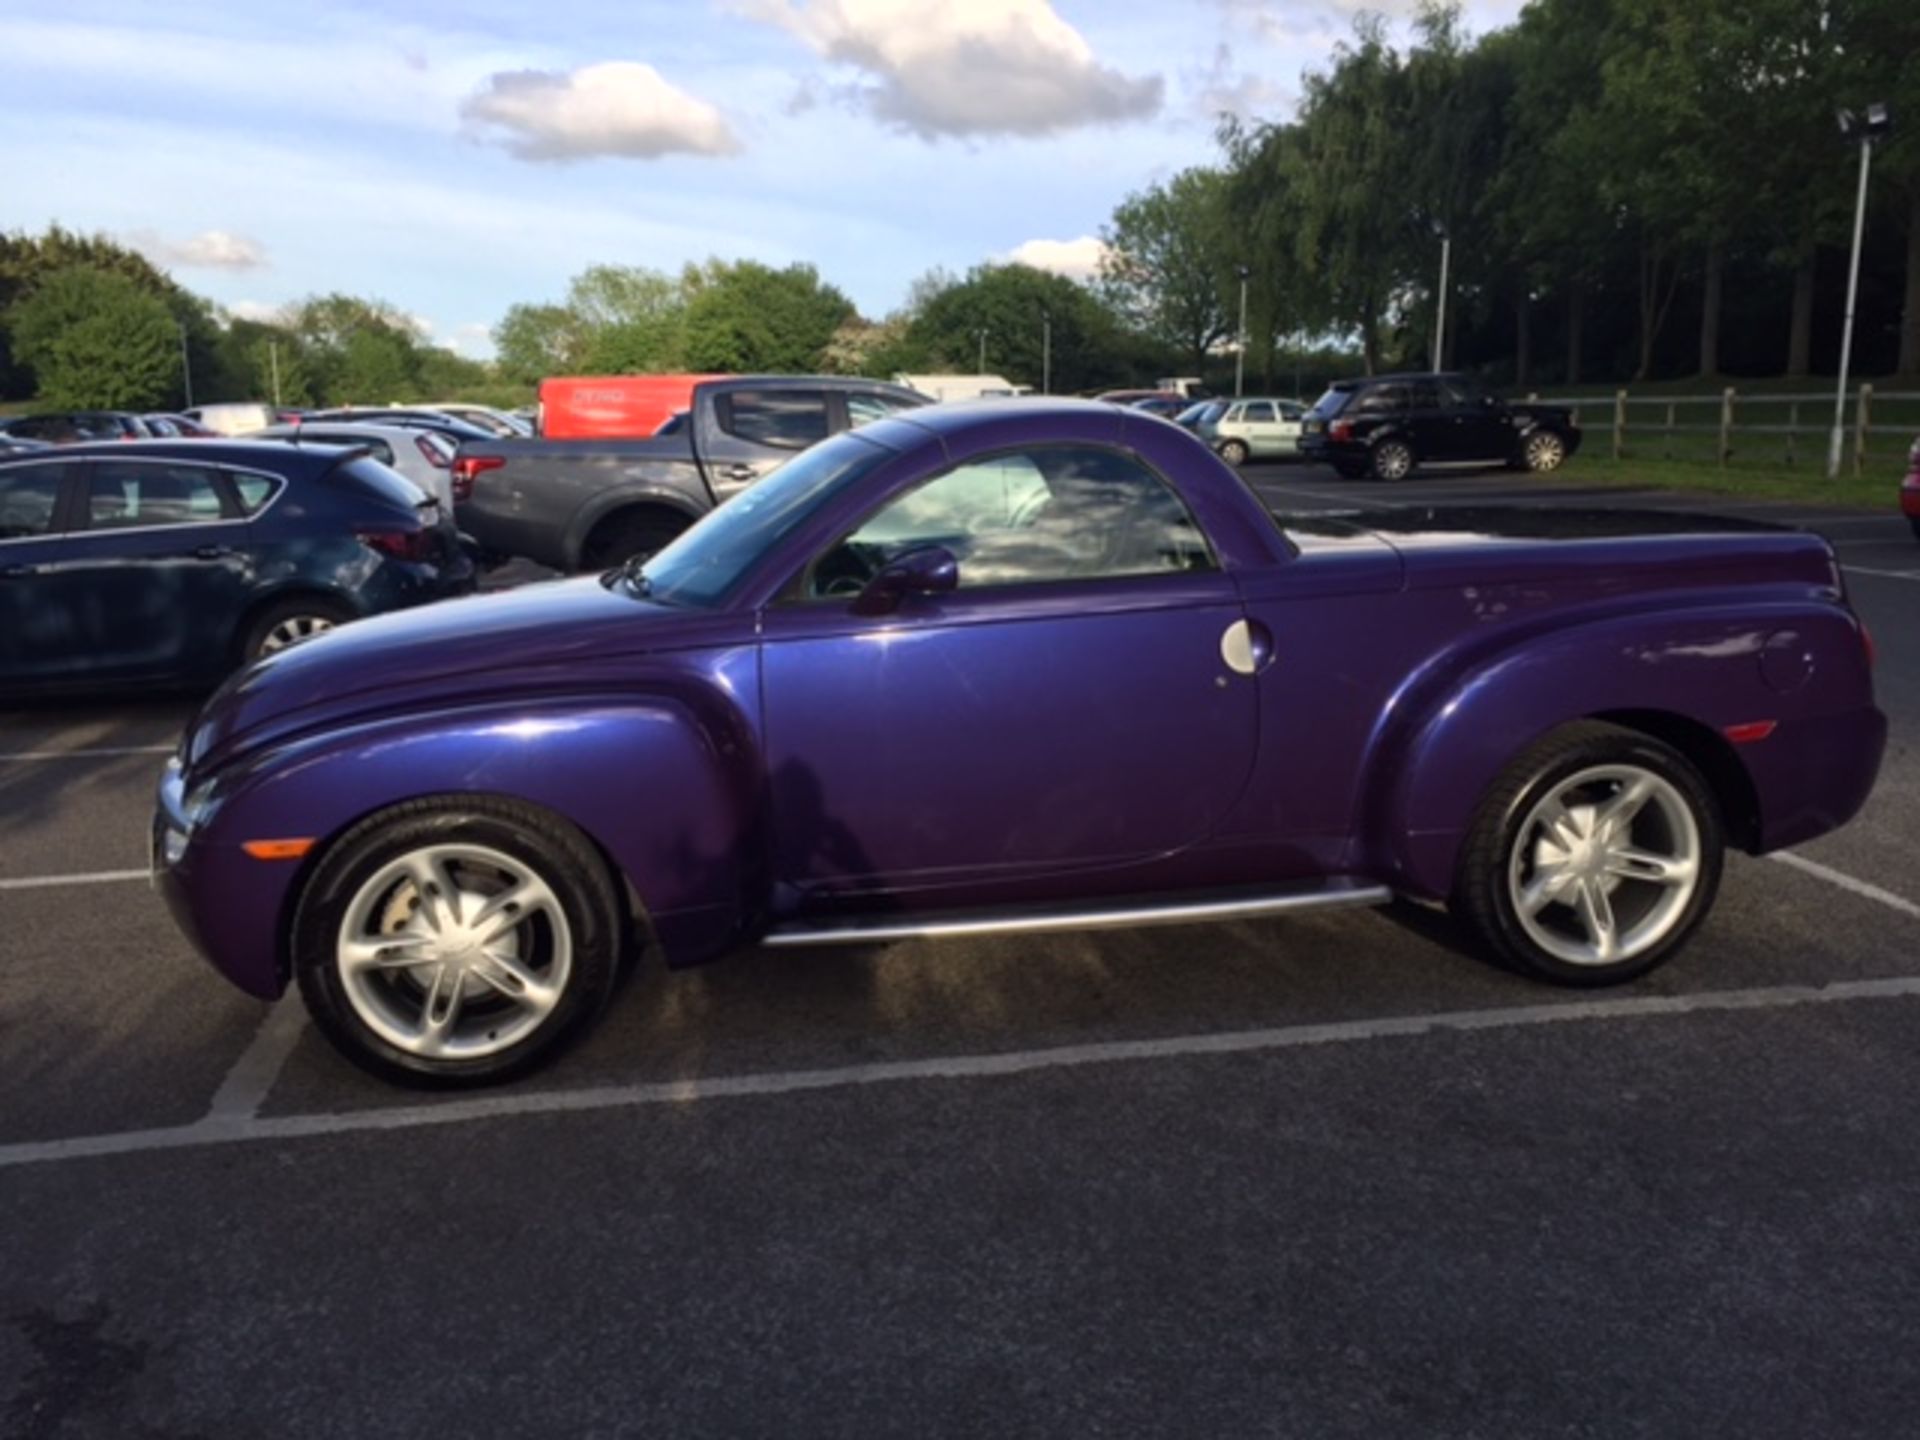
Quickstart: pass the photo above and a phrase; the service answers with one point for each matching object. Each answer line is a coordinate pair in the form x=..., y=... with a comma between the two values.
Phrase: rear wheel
x=1392, y=460
x=621, y=538
x=288, y=623
x=456, y=941
x=1593, y=858
x=1235, y=452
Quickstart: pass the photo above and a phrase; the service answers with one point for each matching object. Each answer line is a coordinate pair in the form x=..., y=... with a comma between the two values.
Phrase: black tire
x=621, y=538
x=550, y=847
x=1235, y=452
x=1542, y=451
x=1391, y=460
x=1492, y=858
x=287, y=622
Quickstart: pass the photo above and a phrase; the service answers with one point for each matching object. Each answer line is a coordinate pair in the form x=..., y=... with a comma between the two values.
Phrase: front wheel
x=1392, y=460
x=621, y=538
x=1543, y=451
x=456, y=941
x=1593, y=858
x=1235, y=453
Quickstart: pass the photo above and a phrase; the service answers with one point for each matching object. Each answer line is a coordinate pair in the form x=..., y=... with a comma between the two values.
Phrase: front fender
x=1800, y=665
x=648, y=493
x=668, y=786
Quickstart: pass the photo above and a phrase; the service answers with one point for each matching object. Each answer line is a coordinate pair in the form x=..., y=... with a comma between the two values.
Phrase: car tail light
x=467, y=467
x=413, y=545
x=1340, y=430
x=1873, y=650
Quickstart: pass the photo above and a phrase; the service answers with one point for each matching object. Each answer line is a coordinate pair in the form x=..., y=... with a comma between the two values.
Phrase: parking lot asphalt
x=1327, y=1176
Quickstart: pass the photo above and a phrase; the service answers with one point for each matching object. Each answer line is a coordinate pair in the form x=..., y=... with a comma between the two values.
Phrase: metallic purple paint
x=766, y=761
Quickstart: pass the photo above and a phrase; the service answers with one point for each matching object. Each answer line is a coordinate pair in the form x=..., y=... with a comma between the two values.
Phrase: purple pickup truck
x=1015, y=666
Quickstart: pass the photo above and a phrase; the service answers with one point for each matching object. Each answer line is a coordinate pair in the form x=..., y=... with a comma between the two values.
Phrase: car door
x=1262, y=427
x=1067, y=706
x=1431, y=424
x=1485, y=430
x=39, y=640
x=155, y=569
x=752, y=431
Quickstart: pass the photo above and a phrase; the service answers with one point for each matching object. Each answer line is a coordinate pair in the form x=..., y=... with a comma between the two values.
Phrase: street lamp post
x=1873, y=124
x=1240, y=349
x=981, y=369
x=1046, y=353
x=1440, y=314
x=186, y=366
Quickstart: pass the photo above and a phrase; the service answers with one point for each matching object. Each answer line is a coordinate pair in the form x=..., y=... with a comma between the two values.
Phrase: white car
x=499, y=422
x=423, y=456
x=1262, y=429
x=232, y=419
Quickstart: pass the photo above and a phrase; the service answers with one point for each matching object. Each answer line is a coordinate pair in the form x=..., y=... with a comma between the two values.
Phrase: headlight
x=198, y=805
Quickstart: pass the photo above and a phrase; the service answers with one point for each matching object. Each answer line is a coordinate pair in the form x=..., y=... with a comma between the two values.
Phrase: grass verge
x=1804, y=483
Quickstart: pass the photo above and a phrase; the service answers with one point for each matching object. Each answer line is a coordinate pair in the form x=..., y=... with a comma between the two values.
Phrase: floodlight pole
x=273, y=360
x=1046, y=353
x=1834, y=441
x=1440, y=319
x=186, y=366
x=1240, y=350
x=982, y=368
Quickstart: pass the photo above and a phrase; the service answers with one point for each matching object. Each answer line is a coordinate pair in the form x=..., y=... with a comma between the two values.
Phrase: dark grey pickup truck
x=591, y=504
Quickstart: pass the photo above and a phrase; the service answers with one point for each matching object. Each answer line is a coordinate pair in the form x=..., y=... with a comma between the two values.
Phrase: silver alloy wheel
x=1604, y=866
x=1392, y=461
x=1235, y=452
x=294, y=629
x=454, y=952
x=1545, y=450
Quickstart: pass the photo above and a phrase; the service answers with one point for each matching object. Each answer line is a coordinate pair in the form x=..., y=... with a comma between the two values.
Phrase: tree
x=95, y=339
x=1170, y=262
x=631, y=319
x=745, y=316
x=1021, y=309
x=534, y=341
x=27, y=259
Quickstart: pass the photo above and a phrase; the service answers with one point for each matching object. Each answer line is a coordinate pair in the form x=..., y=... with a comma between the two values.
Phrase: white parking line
x=100, y=753
x=96, y=877
x=1847, y=882
x=245, y=1089
x=234, y=1128
x=1883, y=574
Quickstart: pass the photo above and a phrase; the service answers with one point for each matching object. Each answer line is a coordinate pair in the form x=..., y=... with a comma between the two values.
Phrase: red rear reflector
x=399, y=544
x=1340, y=430
x=1751, y=731
x=277, y=849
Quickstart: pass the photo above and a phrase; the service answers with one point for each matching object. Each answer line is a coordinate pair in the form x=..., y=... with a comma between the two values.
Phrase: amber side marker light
x=277, y=849
x=1753, y=730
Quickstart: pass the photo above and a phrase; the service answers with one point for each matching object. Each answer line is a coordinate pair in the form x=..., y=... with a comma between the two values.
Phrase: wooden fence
x=1795, y=427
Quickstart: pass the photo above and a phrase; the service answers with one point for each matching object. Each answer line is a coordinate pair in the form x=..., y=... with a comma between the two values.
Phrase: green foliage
x=746, y=317
x=1010, y=303
x=1170, y=265
x=95, y=339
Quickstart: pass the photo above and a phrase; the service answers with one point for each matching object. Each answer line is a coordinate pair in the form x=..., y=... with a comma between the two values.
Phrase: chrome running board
x=1212, y=909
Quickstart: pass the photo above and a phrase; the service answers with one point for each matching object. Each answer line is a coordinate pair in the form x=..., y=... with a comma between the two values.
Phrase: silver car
x=423, y=456
x=1254, y=429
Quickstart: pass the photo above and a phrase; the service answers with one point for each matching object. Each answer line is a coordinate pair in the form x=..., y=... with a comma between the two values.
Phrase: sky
x=455, y=159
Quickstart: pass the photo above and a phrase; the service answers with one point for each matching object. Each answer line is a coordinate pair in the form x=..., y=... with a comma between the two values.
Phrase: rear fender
x=667, y=786
x=629, y=497
x=1799, y=665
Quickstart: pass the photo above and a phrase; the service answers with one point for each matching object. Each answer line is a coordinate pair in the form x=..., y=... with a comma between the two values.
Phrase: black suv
x=1386, y=426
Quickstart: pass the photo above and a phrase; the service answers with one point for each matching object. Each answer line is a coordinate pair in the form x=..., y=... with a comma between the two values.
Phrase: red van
x=612, y=407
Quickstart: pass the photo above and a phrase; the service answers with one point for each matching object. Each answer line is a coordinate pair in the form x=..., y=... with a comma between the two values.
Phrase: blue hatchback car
x=172, y=562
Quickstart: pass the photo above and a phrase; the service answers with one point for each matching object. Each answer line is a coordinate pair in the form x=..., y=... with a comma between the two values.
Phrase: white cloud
x=618, y=107
x=256, y=310
x=209, y=250
x=1076, y=259
x=988, y=67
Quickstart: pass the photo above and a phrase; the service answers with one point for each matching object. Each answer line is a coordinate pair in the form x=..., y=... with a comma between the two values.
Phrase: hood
x=541, y=638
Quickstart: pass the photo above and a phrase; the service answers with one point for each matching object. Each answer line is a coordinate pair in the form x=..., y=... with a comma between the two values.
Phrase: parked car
x=494, y=422
x=1388, y=426
x=1128, y=397
x=1256, y=429
x=1012, y=667
x=74, y=427
x=593, y=504
x=451, y=426
x=236, y=418
x=171, y=562
x=163, y=426
x=1910, y=490
x=20, y=444
x=1165, y=406
x=423, y=456
x=1198, y=413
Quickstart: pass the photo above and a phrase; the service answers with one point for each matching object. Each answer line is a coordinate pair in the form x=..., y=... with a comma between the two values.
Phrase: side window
x=1034, y=516
x=1235, y=414
x=1381, y=400
x=1290, y=411
x=864, y=409
x=785, y=419
x=1423, y=395
x=123, y=495
x=254, y=491
x=1460, y=395
x=1260, y=412
x=28, y=496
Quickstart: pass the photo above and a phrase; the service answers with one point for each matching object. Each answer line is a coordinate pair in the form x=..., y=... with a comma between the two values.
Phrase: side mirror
x=928, y=570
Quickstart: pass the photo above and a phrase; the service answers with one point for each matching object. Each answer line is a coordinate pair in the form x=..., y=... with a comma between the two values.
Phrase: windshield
x=1331, y=403
x=706, y=562
x=1199, y=414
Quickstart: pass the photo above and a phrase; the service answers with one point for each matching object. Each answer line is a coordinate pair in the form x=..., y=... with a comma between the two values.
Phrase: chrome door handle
x=739, y=472
x=212, y=552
